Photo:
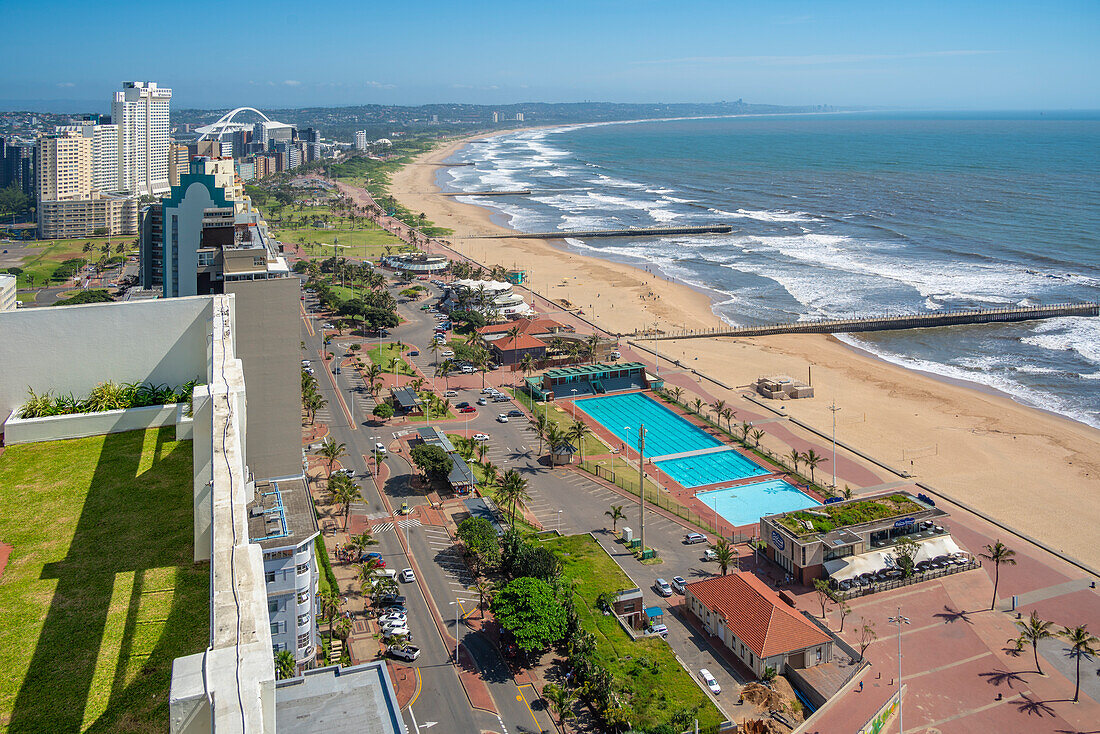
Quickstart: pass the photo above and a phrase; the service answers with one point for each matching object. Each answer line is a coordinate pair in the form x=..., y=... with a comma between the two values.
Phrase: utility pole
x=641, y=482
x=834, y=409
x=899, y=621
x=656, y=355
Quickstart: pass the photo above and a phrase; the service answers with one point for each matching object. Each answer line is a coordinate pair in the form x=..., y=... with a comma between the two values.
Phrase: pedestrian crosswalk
x=405, y=524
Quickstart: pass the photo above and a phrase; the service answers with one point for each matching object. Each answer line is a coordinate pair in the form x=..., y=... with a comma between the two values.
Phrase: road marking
x=523, y=698
x=418, y=687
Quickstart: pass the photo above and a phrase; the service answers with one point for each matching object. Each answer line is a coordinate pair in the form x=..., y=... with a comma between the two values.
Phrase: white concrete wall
x=79, y=425
x=73, y=348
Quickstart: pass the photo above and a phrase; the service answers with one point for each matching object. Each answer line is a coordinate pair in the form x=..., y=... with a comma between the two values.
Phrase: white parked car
x=710, y=681
x=407, y=576
x=481, y=436
x=502, y=418
x=393, y=618
x=408, y=653
x=468, y=370
x=396, y=631
x=447, y=353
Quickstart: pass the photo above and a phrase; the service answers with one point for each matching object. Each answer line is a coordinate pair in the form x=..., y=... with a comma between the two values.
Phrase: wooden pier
x=628, y=232
x=517, y=192
x=910, y=321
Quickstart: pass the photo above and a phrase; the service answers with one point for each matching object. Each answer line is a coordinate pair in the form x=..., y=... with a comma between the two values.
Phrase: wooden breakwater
x=517, y=192
x=909, y=321
x=628, y=232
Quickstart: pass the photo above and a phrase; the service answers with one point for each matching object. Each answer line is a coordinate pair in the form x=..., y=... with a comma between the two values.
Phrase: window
x=303, y=619
x=272, y=606
x=303, y=568
x=269, y=577
x=278, y=554
x=303, y=639
x=278, y=647
x=303, y=596
x=277, y=628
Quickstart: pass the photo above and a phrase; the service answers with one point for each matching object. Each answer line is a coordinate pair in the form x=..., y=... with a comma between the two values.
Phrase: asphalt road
x=561, y=500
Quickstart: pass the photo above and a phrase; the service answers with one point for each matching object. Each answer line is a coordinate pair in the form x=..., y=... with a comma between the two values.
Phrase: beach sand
x=1032, y=470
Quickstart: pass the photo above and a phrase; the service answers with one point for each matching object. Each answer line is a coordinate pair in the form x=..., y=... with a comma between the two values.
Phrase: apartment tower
x=140, y=111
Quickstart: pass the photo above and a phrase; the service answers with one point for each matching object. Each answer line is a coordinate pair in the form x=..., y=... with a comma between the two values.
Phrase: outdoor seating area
x=883, y=579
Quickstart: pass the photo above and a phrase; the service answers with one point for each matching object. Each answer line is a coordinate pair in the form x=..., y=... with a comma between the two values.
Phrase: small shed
x=628, y=605
x=562, y=454
x=654, y=616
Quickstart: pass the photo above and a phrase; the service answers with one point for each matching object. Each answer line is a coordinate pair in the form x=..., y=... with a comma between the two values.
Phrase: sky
x=920, y=55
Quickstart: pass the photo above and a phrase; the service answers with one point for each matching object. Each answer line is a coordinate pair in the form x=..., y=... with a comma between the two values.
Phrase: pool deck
x=684, y=495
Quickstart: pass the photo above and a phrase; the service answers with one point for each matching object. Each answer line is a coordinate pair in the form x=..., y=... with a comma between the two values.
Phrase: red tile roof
x=756, y=615
x=523, y=341
x=526, y=326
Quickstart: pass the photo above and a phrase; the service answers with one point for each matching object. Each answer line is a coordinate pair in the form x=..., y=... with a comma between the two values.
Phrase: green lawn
x=44, y=256
x=563, y=417
x=646, y=673
x=383, y=357
x=100, y=594
x=366, y=241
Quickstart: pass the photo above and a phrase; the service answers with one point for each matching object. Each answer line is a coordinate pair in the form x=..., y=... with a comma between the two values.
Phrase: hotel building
x=140, y=111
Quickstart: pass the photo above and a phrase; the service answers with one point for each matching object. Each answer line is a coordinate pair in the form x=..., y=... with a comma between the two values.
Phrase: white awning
x=936, y=547
x=852, y=566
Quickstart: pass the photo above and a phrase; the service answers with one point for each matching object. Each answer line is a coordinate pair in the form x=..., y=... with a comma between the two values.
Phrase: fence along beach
x=989, y=450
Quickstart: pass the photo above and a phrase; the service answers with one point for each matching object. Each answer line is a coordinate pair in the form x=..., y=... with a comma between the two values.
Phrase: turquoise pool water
x=746, y=504
x=721, y=466
x=666, y=432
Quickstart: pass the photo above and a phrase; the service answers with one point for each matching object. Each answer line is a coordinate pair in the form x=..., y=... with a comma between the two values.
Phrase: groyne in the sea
x=627, y=232
x=516, y=192
x=908, y=321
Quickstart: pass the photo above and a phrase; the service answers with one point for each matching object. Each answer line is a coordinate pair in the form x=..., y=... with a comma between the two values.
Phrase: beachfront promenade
x=909, y=321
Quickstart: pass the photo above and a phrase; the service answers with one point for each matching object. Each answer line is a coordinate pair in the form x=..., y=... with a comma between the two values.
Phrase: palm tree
x=745, y=429
x=343, y=492
x=592, y=342
x=541, y=425
x=358, y=543
x=435, y=349
x=555, y=438
x=615, y=513
x=719, y=409
x=757, y=435
x=697, y=405
x=724, y=554
x=811, y=459
x=328, y=602
x=576, y=432
x=729, y=414
x=484, y=589
x=677, y=394
x=491, y=477
x=561, y=701
x=1080, y=645
x=1032, y=632
x=512, y=491
x=796, y=459
x=332, y=451
x=998, y=553
x=444, y=370
x=285, y=665
x=527, y=364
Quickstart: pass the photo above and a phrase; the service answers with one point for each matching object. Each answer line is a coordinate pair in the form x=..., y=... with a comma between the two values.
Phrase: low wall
x=78, y=425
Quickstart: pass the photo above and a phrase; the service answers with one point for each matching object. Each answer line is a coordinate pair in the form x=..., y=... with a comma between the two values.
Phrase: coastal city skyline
x=972, y=55
x=587, y=368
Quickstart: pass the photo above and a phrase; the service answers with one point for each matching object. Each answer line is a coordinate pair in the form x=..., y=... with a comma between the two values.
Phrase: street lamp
x=641, y=482
x=574, y=402
x=899, y=621
x=559, y=522
x=834, y=409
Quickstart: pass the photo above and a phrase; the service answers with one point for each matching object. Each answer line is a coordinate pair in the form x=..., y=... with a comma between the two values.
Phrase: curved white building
x=500, y=298
x=417, y=262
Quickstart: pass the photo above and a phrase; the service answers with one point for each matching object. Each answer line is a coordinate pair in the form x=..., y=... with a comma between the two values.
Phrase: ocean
x=841, y=215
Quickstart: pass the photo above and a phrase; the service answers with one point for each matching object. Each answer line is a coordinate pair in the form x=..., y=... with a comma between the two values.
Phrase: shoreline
x=1026, y=466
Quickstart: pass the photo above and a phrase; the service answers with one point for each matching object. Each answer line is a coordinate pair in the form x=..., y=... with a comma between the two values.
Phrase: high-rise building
x=496, y=117
x=17, y=165
x=179, y=159
x=311, y=144
x=519, y=117
x=361, y=140
x=7, y=293
x=104, y=137
x=140, y=111
x=64, y=166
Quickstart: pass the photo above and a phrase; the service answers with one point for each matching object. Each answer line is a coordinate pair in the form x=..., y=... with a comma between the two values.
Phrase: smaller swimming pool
x=747, y=503
x=720, y=466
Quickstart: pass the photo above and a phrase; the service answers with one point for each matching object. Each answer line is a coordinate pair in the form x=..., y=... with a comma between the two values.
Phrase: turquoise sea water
x=838, y=215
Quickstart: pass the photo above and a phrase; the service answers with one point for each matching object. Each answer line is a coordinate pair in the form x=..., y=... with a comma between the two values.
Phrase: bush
x=383, y=411
x=326, y=565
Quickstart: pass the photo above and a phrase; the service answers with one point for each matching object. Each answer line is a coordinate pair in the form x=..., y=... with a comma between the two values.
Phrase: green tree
x=999, y=554
x=479, y=537
x=576, y=433
x=512, y=491
x=1032, y=632
x=724, y=554
x=329, y=602
x=811, y=459
x=796, y=459
x=285, y=666
x=527, y=608
x=13, y=200
x=433, y=461
x=343, y=492
x=824, y=594
x=95, y=295
x=1081, y=644
x=615, y=513
x=561, y=701
x=332, y=451
x=383, y=411
x=904, y=552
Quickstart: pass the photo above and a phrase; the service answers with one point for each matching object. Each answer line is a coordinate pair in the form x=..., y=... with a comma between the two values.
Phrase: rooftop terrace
x=847, y=514
x=100, y=594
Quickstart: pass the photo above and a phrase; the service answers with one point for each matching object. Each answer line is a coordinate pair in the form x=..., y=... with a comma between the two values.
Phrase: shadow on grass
x=127, y=599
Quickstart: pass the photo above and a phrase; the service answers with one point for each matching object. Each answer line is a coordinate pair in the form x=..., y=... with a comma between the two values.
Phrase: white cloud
x=292, y=83
x=814, y=59
x=65, y=84
x=379, y=85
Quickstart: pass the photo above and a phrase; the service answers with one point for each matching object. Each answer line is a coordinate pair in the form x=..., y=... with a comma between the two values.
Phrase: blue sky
x=970, y=55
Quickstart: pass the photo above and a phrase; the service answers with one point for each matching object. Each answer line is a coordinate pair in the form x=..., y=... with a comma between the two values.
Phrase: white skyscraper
x=140, y=111
x=361, y=140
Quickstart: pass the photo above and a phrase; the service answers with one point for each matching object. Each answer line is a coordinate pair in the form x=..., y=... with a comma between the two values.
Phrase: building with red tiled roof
x=534, y=327
x=510, y=350
x=756, y=625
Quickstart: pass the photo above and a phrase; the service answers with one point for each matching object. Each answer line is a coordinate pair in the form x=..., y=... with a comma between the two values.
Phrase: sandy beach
x=1032, y=470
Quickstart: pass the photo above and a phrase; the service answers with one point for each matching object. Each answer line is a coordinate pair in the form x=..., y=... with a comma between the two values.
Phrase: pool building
x=590, y=379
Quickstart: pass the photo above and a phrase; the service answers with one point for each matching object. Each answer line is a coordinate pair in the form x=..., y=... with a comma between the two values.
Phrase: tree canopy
x=96, y=295
x=432, y=460
x=479, y=536
x=527, y=608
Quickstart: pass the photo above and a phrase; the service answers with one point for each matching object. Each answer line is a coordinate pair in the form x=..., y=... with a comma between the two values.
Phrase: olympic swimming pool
x=668, y=434
x=747, y=503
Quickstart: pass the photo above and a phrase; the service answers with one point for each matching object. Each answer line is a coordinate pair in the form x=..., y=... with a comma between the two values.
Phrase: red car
x=468, y=409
